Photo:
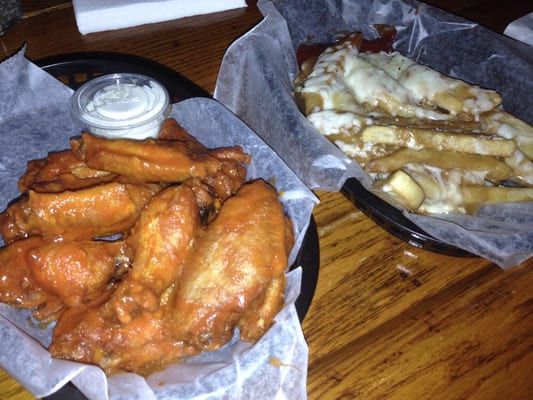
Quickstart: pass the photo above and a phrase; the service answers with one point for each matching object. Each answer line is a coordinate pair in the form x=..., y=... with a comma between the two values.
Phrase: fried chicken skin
x=52, y=275
x=99, y=210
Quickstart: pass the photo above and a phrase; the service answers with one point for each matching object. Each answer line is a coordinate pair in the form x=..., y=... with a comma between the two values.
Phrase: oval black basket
x=74, y=69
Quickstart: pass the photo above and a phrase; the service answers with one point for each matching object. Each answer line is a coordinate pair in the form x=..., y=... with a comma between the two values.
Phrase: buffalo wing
x=95, y=211
x=60, y=171
x=239, y=262
x=52, y=275
x=153, y=160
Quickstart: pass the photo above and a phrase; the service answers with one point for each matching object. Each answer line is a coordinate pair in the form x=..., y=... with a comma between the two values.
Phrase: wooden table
x=388, y=320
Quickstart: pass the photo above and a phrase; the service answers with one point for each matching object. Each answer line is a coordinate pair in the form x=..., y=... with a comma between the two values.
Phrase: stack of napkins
x=104, y=15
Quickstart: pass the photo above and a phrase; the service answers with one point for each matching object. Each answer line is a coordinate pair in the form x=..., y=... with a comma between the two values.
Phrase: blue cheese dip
x=121, y=106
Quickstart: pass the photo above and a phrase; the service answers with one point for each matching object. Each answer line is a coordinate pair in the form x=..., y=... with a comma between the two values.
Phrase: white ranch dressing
x=121, y=106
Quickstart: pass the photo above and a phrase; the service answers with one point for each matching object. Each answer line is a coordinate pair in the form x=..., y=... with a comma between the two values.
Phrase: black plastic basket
x=74, y=69
x=393, y=221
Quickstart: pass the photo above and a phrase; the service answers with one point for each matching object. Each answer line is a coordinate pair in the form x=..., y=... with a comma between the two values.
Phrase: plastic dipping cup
x=121, y=105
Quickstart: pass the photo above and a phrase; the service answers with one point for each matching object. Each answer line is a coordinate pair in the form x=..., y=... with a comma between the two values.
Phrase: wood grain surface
x=388, y=320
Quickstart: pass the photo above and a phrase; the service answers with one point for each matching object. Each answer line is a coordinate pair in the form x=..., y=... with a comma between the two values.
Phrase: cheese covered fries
x=431, y=143
x=144, y=252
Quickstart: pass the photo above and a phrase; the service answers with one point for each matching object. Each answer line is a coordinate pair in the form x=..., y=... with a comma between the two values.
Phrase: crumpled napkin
x=521, y=29
x=103, y=15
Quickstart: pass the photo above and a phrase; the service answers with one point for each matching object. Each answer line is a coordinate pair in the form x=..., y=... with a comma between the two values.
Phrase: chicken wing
x=52, y=275
x=151, y=160
x=60, y=171
x=238, y=263
x=160, y=240
x=76, y=271
x=95, y=211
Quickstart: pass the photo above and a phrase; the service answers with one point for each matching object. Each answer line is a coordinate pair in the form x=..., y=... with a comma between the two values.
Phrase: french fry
x=522, y=168
x=462, y=98
x=508, y=126
x=458, y=194
x=404, y=189
x=495, y=169
x=455, y=125
x=495, y=194
x=415, y=138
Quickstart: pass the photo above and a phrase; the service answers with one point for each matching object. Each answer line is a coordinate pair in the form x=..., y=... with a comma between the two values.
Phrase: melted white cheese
x=330, y=122
x=346, y=79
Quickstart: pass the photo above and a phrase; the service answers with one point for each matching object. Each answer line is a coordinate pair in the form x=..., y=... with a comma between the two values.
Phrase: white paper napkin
x=103, y=15
x=521, y=29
